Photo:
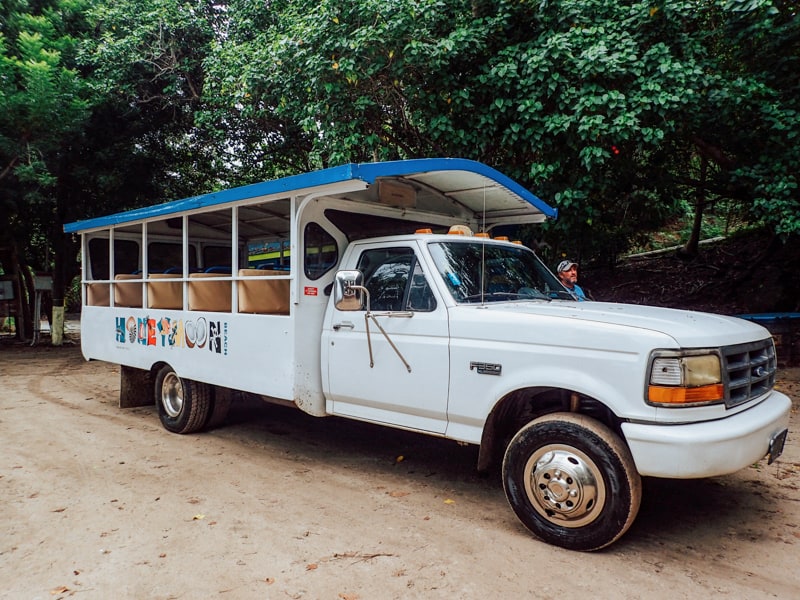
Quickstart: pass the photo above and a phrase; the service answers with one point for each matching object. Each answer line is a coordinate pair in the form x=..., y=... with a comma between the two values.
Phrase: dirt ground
x=99, y=502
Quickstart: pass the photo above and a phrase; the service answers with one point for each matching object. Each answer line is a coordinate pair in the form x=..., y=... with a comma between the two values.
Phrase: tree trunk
x=24, y=293
x=692, y=246
x=59, y=289
x=64, y=256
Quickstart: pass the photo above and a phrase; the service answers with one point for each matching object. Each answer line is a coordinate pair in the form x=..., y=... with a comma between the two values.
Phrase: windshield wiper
x=562, y=295
x=527, y=295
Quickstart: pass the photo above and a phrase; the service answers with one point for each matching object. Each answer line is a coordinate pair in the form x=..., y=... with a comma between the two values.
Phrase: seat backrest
x=164, y=294
x=98, y=294
x=263, y=296
x=387, y=283
x=128, y=294
x=207, y=294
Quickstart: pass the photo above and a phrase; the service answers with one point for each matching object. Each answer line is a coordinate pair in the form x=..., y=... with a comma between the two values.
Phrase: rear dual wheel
x=572, y=481
x=183, y=405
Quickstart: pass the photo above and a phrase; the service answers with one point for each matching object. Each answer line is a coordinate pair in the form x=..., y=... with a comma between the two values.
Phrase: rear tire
x=183, y=404
x=572, y=481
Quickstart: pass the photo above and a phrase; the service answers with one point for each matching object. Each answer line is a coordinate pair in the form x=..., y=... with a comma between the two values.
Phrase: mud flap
x=135, y=388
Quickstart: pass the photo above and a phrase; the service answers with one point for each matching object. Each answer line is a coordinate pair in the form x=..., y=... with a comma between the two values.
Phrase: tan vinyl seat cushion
x=127, y=294
x=98, y=294
x=207, y=294
x=164, y=294
x=263, y=296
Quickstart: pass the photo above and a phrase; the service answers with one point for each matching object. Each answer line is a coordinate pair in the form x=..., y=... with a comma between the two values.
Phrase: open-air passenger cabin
x=281, y=240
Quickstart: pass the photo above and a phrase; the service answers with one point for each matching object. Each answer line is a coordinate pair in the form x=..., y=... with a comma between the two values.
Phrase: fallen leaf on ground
x=348, y=596
x=449, y=501
x=269, y=580
x=398, y=494
x=198, y=517
x=311, y=567
x=59, y=590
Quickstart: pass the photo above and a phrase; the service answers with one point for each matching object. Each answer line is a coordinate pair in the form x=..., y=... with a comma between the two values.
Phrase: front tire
x=183, y=404
x=572, y=481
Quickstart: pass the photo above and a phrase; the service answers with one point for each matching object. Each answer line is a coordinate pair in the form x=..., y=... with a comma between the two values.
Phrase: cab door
x=407, y=385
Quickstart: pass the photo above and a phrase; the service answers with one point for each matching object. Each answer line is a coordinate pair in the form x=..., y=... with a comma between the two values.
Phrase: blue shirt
x=577, y=293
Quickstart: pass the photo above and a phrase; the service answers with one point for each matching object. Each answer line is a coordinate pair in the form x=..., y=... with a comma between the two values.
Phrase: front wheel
x=183, y=404
x=572, y=481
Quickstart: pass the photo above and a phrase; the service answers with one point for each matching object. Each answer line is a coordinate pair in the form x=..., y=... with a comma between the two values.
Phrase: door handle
x=338, y=326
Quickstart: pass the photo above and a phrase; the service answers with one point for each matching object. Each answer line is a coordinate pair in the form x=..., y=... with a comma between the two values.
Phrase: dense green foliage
x=620, y=113
x=45, y=108
x=606, y=109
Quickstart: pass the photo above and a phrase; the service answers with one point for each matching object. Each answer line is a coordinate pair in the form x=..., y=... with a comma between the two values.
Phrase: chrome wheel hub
x=172, y=395
x=564, y=485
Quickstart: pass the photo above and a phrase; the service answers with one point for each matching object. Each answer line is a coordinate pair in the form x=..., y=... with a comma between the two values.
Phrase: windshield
x=476, y=271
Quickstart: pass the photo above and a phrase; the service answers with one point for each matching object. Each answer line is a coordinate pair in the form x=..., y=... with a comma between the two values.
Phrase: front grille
x=749, y=371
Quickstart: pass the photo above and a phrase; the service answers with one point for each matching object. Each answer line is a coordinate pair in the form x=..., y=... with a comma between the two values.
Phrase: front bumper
x=708, y=448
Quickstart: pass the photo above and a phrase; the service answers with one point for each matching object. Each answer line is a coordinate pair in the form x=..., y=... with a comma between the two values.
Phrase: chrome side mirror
x=347, y=290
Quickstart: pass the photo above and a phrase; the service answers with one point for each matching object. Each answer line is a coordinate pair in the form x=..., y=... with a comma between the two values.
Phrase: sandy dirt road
x=99, y=502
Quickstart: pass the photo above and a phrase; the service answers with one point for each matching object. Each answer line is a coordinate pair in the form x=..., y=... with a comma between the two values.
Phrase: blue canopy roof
x=474, y=185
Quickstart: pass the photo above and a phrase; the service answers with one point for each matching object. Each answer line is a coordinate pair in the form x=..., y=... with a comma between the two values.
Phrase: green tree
x=608, y=109
x=44, y=104
x=146, y=62
x=618, y=112
x=91, y=124
x=762, y=106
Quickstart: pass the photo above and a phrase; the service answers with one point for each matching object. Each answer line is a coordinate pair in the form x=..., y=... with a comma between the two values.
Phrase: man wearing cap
x=568, y=274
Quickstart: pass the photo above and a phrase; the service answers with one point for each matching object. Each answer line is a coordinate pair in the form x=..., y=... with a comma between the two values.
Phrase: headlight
x=678, y=379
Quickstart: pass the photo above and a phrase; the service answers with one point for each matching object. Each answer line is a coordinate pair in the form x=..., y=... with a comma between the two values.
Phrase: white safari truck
x=377, y=292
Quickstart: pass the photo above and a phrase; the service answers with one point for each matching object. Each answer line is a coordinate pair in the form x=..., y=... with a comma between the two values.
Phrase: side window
x=420, y=295
x=165, y=257
x=320, y=253
x=395, y=280
x=126, y=257
x=217, y=259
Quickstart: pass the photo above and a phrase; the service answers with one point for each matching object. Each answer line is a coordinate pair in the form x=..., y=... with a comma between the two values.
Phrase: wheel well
x=520, y=407
x=156, y=367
